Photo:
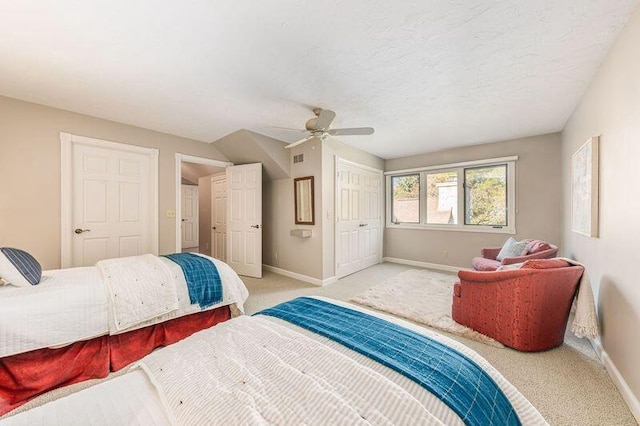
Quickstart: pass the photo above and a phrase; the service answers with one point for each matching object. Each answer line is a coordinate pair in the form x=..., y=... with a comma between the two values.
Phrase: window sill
x=484, y=230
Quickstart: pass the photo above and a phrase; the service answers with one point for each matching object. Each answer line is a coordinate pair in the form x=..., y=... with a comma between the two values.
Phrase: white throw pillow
x=513, y=248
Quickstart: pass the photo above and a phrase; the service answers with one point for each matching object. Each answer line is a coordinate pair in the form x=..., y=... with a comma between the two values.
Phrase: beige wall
x=538, y=202
x=30, y=172
x=611, y=108
x=299, y=255
x=314, y=256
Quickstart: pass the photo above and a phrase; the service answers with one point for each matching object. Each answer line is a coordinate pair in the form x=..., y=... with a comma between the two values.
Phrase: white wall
x=611, y=108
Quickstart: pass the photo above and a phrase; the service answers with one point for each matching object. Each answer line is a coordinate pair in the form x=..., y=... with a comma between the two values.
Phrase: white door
x=244, y=219
x=219, y=217
x=111, y=203
x=358, y=218
x=190, y=216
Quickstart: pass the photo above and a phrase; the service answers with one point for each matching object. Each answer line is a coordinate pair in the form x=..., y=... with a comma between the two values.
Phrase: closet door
x=111, y=197
x=358, y=217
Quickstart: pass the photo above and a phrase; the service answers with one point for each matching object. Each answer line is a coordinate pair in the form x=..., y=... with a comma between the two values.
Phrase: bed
x=311, y=360
x=83, y=323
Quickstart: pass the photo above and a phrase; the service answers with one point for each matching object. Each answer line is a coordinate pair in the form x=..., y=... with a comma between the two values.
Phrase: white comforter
x=71, y=305
x=261, y=370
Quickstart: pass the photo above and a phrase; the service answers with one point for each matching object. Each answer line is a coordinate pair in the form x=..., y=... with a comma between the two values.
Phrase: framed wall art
x=584, y=188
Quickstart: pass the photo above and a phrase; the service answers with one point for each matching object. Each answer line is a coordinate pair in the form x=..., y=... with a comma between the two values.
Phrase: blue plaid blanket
x=203, y=279
x=453, y=377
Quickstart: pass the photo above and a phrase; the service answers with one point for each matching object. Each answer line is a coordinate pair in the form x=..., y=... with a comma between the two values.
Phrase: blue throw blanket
x=203, y=279
x=454, y=378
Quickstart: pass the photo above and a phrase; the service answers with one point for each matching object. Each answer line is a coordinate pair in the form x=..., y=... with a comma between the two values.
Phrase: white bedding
x=71, y=305
x=154, y=293
x=261, y=370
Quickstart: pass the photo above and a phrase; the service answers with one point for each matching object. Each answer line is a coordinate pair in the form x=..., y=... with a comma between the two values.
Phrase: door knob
x=184, y=220
x=213, y=228
x=80, y=231
x=255, y=226
x=363, y=224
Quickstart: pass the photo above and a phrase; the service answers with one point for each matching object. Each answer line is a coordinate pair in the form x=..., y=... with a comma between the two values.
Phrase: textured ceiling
x=426, y=74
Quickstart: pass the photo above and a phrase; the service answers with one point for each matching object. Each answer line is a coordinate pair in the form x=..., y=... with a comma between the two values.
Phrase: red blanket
x=25, y=376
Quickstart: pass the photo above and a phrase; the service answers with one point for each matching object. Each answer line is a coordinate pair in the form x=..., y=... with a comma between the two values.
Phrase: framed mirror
x=303, y=200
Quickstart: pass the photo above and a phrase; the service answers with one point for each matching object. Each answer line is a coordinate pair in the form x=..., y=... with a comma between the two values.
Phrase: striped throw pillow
x=19, y=268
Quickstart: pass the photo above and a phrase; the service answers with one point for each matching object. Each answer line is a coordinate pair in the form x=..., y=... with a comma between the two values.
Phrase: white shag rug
x=421, y=296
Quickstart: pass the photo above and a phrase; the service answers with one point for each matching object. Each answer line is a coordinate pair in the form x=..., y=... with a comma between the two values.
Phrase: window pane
x=486, y=196
x=442, y=198
x=405, y=207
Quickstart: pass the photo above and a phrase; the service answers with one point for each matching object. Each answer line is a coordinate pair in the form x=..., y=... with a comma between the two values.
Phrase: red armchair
x=526, y=309
x=487, y=261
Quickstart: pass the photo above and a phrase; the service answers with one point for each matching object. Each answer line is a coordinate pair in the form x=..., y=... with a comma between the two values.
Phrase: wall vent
x=299, y=158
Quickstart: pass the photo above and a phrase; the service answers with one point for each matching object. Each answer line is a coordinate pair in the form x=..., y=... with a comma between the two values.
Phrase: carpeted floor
x=567, y=384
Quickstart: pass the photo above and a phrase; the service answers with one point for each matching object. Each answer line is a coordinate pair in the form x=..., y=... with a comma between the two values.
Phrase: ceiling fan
x=320, y=127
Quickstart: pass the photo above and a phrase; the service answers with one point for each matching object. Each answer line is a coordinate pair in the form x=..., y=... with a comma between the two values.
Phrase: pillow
x=536, y=246
x=19, y=268
x=545, y=264
x=512, y=248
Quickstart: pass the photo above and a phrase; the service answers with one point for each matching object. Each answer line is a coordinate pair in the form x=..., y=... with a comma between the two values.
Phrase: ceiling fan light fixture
x=320, y=127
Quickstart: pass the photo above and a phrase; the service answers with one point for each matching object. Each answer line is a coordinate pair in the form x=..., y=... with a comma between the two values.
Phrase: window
x=485, y=196
x=442, y=198
x=475, y=196
x=405, y=206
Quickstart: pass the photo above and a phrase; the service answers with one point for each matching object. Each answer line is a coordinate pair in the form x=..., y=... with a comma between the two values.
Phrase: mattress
x=71, y=305
x=263, y=370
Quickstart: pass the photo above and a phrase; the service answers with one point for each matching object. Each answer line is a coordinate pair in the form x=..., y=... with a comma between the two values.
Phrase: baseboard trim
x=301, y=277
x=624, y=389
x=419, y=264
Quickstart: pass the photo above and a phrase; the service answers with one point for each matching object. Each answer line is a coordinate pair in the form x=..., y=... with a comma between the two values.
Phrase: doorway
x=193, y=203
x=242, y=236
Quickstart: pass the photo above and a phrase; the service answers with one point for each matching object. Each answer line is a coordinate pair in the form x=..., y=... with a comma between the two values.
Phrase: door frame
x=337, y=161
x=67, y=143
x=180, y=158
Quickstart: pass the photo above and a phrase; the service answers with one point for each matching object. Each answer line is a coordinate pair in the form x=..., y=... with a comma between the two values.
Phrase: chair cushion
x=545, y=264
x=19, y=268
x=513, y=248
x=510, y=267
x=484, y=264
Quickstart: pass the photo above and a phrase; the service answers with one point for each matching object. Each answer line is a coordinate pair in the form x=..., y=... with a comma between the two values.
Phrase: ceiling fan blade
x=352, y=131
x=298, y=142
x=287, y=128
x=325, y=119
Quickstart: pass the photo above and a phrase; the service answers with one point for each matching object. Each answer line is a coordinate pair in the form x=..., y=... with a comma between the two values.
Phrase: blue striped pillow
x=19, y=268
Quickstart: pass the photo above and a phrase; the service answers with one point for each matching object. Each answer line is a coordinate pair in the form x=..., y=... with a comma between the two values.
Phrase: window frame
x=510, y=228
x=420, y=196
